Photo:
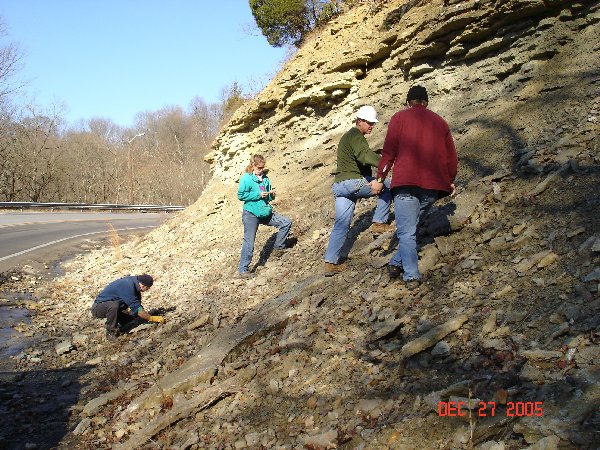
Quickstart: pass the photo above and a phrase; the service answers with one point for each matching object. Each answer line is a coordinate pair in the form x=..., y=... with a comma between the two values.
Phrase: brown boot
x=412, y=284
x=378, y=228
x=332, y=269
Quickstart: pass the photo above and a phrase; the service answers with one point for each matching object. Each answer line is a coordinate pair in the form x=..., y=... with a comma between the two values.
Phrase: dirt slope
x=508, y=316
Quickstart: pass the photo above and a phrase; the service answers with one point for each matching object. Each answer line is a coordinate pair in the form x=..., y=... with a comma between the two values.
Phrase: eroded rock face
x=496, y=47
x=509, y=310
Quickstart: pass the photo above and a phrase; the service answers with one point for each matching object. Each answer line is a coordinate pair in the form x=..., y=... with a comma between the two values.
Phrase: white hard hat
x=367, y=113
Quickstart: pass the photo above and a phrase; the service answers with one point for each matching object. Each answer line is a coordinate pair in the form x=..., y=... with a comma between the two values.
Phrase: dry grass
x=115, y=241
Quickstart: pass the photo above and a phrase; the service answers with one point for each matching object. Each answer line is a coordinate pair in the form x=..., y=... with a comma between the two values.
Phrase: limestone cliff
x=509, y=313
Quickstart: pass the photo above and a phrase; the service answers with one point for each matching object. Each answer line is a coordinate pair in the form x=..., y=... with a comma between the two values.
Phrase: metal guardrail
x=90, y=206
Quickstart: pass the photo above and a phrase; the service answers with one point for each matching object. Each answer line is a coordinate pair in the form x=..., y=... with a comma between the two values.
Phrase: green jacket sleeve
x=363, y=153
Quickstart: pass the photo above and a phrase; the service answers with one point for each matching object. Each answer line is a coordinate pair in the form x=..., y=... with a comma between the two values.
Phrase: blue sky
x=115, y=58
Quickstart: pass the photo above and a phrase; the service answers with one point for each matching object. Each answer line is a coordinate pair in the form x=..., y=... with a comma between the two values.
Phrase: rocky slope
x=509, y=314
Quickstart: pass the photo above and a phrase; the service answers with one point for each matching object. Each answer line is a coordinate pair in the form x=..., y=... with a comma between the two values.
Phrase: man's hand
x=453, y=193
x=264, y=194
x=376, y=187
x=157, y=319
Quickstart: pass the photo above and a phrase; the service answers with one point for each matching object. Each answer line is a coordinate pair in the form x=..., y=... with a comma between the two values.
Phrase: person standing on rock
x=120, y=302
x=419, y=146
x=354, y=180
x=256, y=192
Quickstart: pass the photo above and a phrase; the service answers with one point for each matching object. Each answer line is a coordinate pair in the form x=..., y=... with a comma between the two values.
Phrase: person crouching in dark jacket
x=120, y=302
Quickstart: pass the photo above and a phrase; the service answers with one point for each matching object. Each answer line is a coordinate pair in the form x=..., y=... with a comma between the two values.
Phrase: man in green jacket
x=353, y=180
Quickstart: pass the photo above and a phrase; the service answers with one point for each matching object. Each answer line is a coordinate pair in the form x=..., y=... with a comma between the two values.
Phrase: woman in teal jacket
x=256, y=193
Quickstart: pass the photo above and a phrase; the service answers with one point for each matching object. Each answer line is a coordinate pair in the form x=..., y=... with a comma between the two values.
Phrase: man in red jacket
x=421, y=150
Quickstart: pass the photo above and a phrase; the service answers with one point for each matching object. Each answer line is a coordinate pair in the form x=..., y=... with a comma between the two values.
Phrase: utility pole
x=130, y=166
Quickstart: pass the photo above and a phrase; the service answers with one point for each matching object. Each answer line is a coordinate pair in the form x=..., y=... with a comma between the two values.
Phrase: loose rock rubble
x=506, y=325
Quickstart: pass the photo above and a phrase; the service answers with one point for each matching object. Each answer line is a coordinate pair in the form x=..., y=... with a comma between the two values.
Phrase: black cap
x=417, y=93
x=146, y=280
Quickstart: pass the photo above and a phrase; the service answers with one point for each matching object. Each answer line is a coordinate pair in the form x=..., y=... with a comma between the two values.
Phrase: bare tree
x=11, y=62
x=37, y=145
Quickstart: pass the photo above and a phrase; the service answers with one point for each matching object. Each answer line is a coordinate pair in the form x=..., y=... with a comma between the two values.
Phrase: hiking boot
x=332, y=269
x=394, y=271
x=247, y=275
x=277, y=252
x=412, y=284
x=112, y=335
x=379, y=228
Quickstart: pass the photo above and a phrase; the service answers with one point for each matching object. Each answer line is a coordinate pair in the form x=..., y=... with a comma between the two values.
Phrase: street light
x=136, y=136
x=130, y=166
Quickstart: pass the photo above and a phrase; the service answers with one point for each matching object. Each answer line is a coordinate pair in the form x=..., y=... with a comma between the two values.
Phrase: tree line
x=159, y=160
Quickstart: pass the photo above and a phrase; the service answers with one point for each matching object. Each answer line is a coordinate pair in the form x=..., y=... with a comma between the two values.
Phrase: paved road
x=48, y=236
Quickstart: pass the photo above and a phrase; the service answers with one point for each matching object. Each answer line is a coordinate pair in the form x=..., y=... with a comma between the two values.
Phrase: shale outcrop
x=506, y=325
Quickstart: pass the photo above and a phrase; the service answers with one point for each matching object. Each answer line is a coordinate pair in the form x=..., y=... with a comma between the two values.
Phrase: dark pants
x=112, y=312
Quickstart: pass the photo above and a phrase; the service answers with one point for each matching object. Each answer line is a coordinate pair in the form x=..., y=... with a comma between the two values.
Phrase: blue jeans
x=251, y=223
x=410, y=203
x=346, y=194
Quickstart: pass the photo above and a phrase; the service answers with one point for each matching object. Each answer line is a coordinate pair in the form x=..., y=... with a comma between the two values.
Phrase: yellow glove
x=157, y=319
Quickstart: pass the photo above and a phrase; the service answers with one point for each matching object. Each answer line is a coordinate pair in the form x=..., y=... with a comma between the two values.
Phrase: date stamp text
x=488, y=409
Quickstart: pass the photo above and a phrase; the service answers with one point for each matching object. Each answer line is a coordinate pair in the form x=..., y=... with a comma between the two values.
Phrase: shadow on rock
x=38, y=403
